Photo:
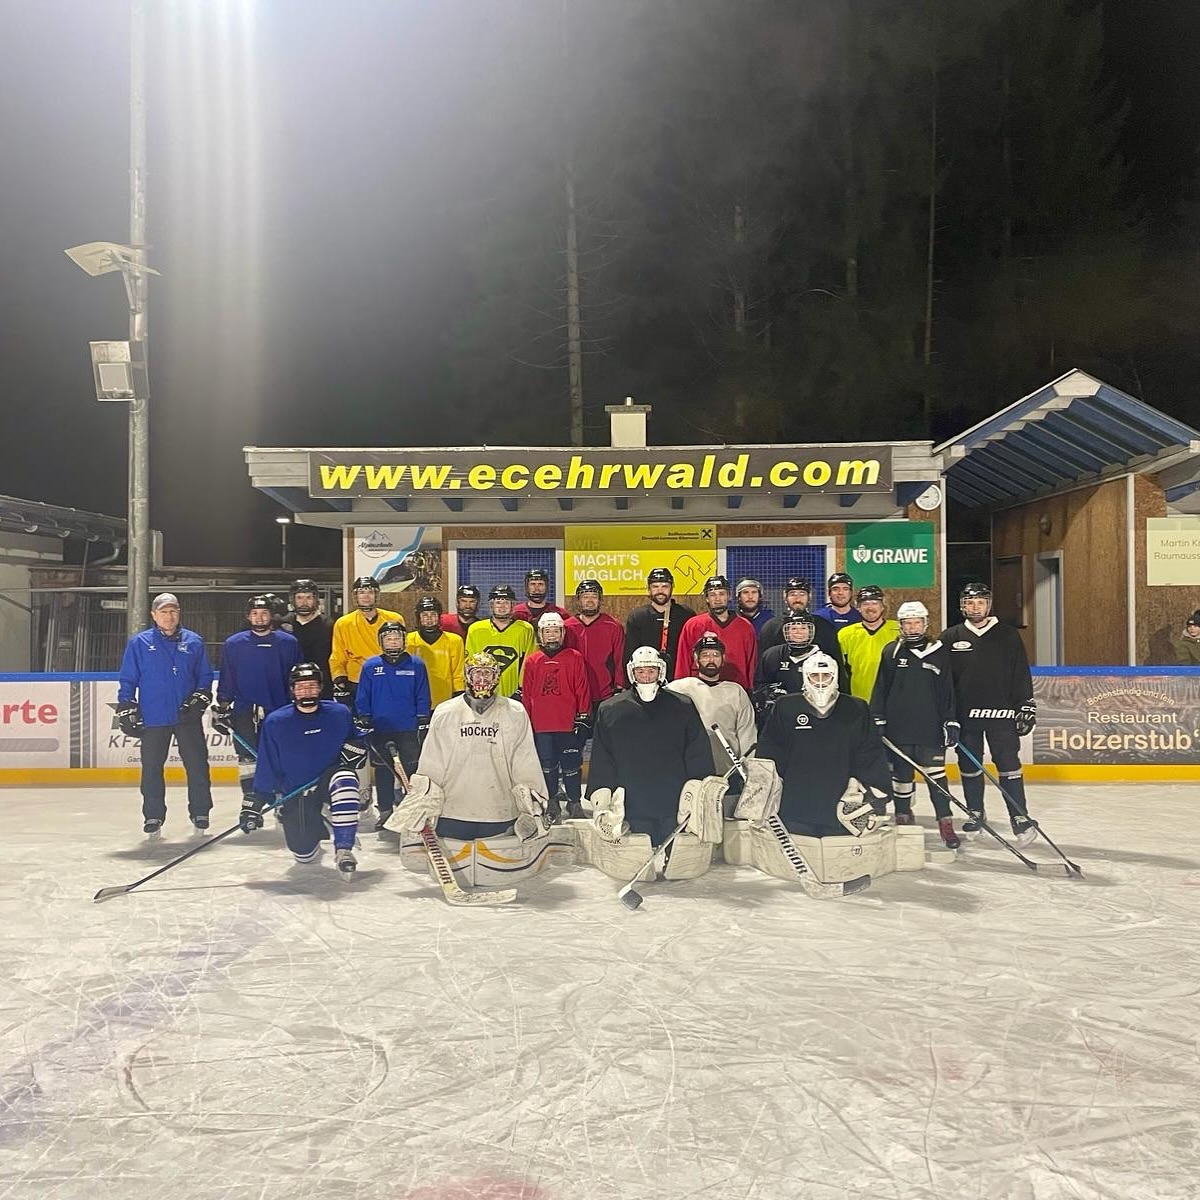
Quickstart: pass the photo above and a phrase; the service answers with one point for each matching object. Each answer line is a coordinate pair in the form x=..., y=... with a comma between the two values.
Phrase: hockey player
x=658, y=623
x=309, y=740
x=166, y=684
x=356, y=638
x=509, y=642
x=648, y=743
x=719, y=702
x=441, y=652
x=913, y=707
x=839, y=612
x=993, y=693
x=557, y=696
x=796, y=594
x=466, y=611
x=279, y=609
x=536, y=602
x=599, y=638
x=750, y=604
x=392, y=706
x=826, y=749
x=779, y=668
x=479, y=772
x=863, y=641
x=311, y=628
x=736, y=634
x=256, y=666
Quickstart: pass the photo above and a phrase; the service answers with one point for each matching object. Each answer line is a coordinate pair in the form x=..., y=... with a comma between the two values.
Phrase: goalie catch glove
x=854, y=810
x=194, y=705
x=608, y=813
x=1026, y=718
x=222, y=717
x=129, y=720
x=531, y=819
x=251, y=816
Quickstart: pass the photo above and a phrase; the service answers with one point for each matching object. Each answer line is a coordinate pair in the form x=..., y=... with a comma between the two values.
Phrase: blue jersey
x=161, y=672
x=761, y=615
x=395, y=694
x=254, y=669
x=836, y=619
x=295, y=748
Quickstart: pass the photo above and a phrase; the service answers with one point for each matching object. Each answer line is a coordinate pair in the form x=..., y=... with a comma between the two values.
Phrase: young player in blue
x=310, y=741
x=255, y=665
x=392, y=704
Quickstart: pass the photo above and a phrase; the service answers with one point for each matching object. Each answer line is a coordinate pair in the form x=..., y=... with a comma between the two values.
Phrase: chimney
x=627, y=423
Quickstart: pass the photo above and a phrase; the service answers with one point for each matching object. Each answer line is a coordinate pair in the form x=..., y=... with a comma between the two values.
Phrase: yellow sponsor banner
x=621, y=556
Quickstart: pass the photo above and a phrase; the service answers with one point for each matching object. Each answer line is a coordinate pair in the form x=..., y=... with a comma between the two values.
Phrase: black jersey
x=644, y=627
x=649, y=748
x=777, y=666
x=990, y=669
x=316, y=644
x=914, y=693
x=771, y=634
x=816, y=756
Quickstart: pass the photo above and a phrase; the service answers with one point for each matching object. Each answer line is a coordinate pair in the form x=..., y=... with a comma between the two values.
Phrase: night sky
x=310, y=254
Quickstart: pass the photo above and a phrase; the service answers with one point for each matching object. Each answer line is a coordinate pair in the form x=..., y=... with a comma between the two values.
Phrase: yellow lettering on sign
x=858, y=472
x=480, y=478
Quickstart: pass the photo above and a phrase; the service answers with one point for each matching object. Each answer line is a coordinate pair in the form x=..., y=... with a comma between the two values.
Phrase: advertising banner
x=397, y=557
x=621, y=556
x=1173, y=551
x=624, y=471
x=1144, y=719
x=35, y=724
x=892, y=554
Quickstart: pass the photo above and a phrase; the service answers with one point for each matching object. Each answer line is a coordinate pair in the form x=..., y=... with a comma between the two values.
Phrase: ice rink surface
x=243, y=1028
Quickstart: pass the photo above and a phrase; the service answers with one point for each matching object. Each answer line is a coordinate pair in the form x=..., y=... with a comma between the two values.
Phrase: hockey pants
x=933, y=760
x=560, y=755
x=245, y=725
x=193, y=749
x=1004, y=745
x=409, y=745
x=303, y=819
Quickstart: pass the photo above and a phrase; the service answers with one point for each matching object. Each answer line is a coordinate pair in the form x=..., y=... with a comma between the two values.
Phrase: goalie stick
x=808, y=881
x=109, y=892
x=1068, y=866
x=437, y=856
x=958, y=804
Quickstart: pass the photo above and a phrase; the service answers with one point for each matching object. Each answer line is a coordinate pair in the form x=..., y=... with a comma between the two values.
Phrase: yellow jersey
x=862, y=651
x=355, y=639
x=443, y=660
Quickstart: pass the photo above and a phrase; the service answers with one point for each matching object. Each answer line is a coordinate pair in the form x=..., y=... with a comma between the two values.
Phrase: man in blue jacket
x=166, y=684
x=392, y=703
x=255, y=667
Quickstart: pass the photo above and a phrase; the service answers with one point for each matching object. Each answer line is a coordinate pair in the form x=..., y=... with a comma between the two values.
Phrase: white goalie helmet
x=820, y=681
x=912, y=612
x=643, y=659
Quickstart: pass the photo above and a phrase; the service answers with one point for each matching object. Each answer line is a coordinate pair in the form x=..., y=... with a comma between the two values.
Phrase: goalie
x=826, y=750
x=479, y=784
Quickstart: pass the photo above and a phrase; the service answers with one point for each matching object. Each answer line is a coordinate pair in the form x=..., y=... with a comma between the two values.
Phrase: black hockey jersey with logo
x=644, y=627
x=914, y=693
x=991, y=672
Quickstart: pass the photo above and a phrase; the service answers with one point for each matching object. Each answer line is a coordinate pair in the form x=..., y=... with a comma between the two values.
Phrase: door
x=1047, y=607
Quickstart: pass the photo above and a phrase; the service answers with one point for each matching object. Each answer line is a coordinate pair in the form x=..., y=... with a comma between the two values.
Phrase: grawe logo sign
x=892, y=554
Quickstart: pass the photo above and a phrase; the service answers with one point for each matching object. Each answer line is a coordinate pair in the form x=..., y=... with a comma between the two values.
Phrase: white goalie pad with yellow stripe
x=496, y=862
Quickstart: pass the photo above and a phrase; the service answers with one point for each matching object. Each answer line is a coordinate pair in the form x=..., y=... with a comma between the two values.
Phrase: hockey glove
x=129, y=720
x=583, y=727
x=363, y=724
x=251, y=816
x=342, y=691
x=422, y=729
x=194, y=706
x=608, y=813
x=352, y=756
x=952, y=731
x=855, y=811
x=222, y=717
x=531, y=819
x=516, y=696
x=1026, y=718
x=881, y=726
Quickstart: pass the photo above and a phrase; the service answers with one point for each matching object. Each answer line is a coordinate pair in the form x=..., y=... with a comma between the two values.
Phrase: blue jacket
x=161, y=672
x=255, y=668
x=393, y=695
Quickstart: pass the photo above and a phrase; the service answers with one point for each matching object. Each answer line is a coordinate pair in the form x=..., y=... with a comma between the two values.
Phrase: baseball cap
x=163, y=598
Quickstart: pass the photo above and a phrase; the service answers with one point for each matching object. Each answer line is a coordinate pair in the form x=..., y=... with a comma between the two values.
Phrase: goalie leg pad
x=831, y=859
x=505, y=861
x=688, y=857
x=617, y=860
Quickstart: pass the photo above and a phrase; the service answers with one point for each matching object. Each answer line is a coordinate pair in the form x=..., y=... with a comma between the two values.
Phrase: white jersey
x=725, y=705
x=476, y=760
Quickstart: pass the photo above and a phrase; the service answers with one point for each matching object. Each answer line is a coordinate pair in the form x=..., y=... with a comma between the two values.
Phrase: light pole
x=283, y=523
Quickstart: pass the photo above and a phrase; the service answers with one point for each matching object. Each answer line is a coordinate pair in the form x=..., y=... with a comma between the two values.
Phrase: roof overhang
x=1074, y=431
x=52, y=520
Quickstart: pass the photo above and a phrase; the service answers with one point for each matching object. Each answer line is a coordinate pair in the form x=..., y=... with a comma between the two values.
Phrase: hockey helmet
x=551, y=629
x=715, y=584
x=799, y=630
x=304, y=585
x=262, y=600
x=870, y=592
x=743, y=584
x=467, y=591
x=975, y=591
x=364, y=582
x=660, y=575
x=395, y=633
x=481, y=673
x=797, y=583
x=708, y=641
x=502, y=591
x=537, y=573
x=839, y=577
x=909, y=614
x=820, y=681
x=429, y=604
x=644, y=657
x=306, y=673
x=589, y=585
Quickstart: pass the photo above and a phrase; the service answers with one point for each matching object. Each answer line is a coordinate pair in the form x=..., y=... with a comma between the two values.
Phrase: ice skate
x=575, y=811
x=152, y=829
x=346, y=864
x=949, y=837
x=384, y=817
x=973, y=828
x=905, y=818
x=1024, y=831
x=200, y=823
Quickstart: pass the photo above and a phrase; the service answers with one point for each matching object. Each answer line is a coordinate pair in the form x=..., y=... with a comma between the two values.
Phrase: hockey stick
x=437, y=855
x=958, y=804
x=808, y=880
x=109, y=892
x=1068, y=866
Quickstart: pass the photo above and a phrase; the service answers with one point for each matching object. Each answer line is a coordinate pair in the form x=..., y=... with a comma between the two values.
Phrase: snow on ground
x=246, y=1028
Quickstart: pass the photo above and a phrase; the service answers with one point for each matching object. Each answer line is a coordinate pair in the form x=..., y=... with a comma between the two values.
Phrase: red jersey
x=522, y=612
x=554, y=690
x=600, y=642
x=741, y=647
x=451, y=624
